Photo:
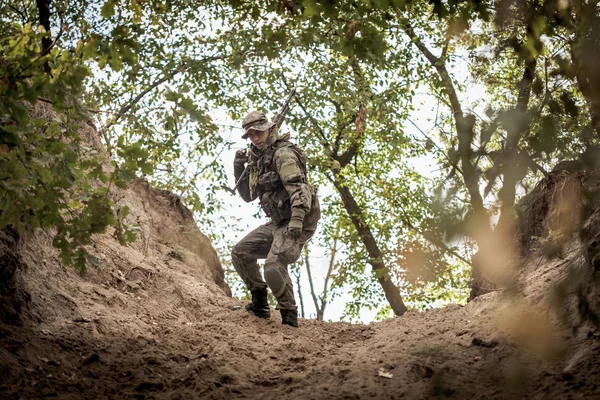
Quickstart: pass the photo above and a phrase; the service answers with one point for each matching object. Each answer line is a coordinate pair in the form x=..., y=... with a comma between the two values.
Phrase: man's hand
x=241, y=157
x=294, y=229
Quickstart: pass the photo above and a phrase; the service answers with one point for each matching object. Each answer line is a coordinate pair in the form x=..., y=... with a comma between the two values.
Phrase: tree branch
x=310, y=282
x=452, y=162
x=22, y=14
x=349, y=154
x=431, y=239
x=359, y=120
x=464, y=124
x=340, y=126
x=511, y=168
x=301, y=298
x=43, y=7
x=329, y=271
x=127, y=106
x=322, y=136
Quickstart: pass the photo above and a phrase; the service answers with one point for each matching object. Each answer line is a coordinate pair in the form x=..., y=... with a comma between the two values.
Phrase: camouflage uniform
x=278, y=179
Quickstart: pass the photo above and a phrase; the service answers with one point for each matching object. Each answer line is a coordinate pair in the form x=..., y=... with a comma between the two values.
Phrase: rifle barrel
x=284, y=109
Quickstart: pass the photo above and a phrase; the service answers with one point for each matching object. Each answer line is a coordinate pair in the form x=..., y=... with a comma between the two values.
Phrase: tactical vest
x=274, y=198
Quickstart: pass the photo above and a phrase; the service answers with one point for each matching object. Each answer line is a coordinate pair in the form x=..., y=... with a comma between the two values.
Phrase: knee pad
x=274, y=279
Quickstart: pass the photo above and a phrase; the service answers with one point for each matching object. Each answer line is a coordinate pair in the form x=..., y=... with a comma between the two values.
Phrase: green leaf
x=18, y=111
x=124, y=211
x=108, y=9
x=172, y=96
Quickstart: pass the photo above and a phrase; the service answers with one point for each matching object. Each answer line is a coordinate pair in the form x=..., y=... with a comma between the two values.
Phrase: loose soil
x=155, y=322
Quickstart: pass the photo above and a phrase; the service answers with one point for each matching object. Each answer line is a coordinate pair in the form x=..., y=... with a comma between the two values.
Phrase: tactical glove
x=241, y=157
x=294, y=229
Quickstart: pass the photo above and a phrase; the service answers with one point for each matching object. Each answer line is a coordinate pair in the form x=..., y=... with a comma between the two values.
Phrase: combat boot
x=289, y=317
x=260, y=304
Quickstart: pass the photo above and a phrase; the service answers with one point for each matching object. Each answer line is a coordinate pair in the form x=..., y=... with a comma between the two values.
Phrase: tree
x=320, y=300
x=541, y=105
x=532, y=122
x=45, y=180
x=54, y=52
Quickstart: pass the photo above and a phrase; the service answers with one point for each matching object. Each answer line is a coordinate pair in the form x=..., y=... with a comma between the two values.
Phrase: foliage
x=161, y=99
x=360, y=68
x=347, y=55
x=540, y=105
x=46, y=181
x=83, y=59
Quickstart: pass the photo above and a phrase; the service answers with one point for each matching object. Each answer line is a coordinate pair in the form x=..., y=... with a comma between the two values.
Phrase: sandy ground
x=166, y=333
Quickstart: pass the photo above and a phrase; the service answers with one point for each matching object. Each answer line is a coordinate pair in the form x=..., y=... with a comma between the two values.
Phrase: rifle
x=278, y=120
x=246, y=170
x=284, y=109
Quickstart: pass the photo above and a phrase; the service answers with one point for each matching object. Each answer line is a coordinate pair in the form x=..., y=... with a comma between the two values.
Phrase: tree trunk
x=312, y=288
x=392, y=293
x=326, y=282
x=300, y=294
x=44, y=15
x=585, y=55
x=376, y=259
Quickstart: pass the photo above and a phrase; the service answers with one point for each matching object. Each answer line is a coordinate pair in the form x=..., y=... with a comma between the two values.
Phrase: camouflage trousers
x=269, y=241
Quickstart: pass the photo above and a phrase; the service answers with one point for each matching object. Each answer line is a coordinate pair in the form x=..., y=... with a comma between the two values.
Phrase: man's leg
x=244, y=256
x=278, y=279
x=276, y=272
x=284, y=251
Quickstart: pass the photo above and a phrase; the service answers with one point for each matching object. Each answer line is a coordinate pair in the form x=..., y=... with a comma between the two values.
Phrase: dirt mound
x=560, y=237
x=168, y=273
x=136, y=348
x=155, y=321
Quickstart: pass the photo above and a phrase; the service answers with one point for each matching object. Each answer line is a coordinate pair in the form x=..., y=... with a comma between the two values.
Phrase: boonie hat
x=256, y=120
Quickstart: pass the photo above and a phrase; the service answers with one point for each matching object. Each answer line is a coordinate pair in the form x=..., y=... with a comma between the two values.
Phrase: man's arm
x=239, y=165
x=294, y=181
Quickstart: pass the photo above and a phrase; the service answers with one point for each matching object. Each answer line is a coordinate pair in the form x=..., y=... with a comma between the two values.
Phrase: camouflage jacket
x=278, y=179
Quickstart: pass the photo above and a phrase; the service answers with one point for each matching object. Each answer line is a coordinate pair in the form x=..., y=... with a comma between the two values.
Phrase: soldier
x=277, y=177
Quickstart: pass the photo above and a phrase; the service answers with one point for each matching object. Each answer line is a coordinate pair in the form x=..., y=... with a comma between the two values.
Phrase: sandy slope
x=147, y=345
x=148, y=325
